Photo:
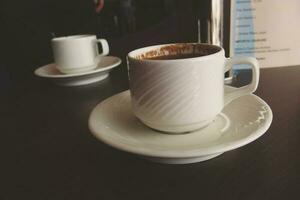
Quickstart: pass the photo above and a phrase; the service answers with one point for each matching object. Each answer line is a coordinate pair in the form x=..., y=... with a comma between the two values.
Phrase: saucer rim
x=214, y=149
x=94, y=71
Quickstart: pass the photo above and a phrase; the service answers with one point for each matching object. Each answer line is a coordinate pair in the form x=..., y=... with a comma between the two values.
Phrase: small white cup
x=78, y=53
x=182, y=95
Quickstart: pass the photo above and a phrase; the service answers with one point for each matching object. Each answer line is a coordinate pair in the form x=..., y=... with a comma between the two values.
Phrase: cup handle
x=105, y=47
x=247, y=89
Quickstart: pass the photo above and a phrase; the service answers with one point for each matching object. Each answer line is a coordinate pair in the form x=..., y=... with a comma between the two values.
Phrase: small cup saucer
x=241, y=122
x=106, y=64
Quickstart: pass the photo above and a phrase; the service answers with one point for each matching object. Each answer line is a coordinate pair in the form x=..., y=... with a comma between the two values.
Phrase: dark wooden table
x=47, y=151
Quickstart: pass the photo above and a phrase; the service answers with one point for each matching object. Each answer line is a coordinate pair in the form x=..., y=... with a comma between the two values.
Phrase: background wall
x=28, y=26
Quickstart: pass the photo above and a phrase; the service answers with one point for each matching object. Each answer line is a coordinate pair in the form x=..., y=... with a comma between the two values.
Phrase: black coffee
x=178, y=56
x=179, y=51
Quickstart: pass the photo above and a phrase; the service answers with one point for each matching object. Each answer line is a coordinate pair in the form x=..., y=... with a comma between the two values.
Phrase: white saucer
x=101, y=72
x=241, y=122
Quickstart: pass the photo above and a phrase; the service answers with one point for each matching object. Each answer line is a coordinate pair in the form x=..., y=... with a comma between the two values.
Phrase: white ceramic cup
x=182, y=95
x=78, y=53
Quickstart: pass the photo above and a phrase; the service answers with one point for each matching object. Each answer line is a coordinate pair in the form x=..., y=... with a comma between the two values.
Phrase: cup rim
x=132, y=55
x=73, y=37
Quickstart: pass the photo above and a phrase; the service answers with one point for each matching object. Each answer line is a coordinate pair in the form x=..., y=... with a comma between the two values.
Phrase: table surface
x=49, y=153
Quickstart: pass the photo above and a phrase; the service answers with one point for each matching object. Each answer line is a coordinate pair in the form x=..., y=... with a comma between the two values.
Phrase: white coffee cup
x=78, y=53
x=182, y=95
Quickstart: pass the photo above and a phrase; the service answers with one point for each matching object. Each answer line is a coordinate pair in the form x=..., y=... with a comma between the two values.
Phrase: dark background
x=27, y=27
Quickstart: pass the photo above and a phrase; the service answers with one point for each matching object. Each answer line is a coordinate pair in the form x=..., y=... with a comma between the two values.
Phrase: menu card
x=266, y=29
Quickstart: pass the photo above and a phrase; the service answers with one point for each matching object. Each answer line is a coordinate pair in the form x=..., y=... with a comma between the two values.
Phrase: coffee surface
x=178, y=51
x=176, y=56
